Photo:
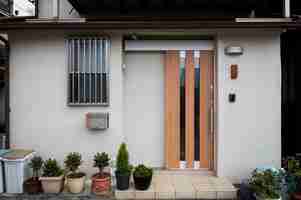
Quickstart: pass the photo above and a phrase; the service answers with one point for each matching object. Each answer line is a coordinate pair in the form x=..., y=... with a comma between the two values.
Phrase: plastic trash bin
x=16, y=169
x=2, y=152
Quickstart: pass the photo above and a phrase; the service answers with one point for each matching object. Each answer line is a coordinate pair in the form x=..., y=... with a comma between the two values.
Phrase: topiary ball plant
x=33, y=184
x=101, y=160
x=75, y=179
x=101, y=182
x=72, y=163
x=36, y=164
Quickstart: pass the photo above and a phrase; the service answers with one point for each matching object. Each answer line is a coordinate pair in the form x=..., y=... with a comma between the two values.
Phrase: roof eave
x=147, y=25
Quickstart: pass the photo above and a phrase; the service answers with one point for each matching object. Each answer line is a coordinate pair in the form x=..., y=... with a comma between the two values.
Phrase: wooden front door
x=189, y=94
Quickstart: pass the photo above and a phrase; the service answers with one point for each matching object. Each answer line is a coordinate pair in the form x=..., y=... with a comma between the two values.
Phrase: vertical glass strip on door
x=182, y=105
x=197, y=74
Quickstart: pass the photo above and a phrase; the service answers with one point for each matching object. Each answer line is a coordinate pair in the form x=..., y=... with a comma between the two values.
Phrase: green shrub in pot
x=266, y=184
x=123, y=168
x=75, y=179
x=53, y=177
x=33, y=184
x=142, y=177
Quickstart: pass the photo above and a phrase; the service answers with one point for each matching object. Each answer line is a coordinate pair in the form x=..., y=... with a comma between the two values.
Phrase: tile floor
x=182, y=186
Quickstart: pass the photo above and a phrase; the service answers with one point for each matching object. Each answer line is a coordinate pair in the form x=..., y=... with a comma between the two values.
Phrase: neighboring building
x=5, y=8
x=184, y=90
x=25, y=8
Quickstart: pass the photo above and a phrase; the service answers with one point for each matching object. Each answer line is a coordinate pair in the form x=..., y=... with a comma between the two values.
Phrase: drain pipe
x=55, y=8
x=4, y=40
x=287, y=9
x=5, y=137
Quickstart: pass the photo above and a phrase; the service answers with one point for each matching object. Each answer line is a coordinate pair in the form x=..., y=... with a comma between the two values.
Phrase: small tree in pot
x=142, y=177
x=52, y=179
x=124, y=169
x=101, y=182
x=33, y=184
x=75, y=179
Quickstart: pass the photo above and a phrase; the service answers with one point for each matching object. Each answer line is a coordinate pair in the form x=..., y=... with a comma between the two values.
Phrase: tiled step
x=180, y=186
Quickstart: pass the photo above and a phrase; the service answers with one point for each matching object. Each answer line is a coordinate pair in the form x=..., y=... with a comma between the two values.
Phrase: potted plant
x=292, y=177
x=52, y=179
x=123, y=168
x=33, y=184
x=142, y=177
x=266, y=184
x=101, y=181
x=75, y=179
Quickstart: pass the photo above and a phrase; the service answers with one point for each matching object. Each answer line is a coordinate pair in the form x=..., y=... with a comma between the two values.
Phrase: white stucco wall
x=40, y=118
x=248, y=131
x=144, y=107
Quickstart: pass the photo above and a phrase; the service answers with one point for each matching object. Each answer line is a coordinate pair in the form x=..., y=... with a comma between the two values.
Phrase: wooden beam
x=172, y=110
x=189, y=108
x=204, y=66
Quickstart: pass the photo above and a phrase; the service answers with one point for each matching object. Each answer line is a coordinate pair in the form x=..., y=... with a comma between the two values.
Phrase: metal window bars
x=88, y=70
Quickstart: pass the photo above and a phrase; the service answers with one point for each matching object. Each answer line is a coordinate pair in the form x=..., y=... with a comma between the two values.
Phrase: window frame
x=108, y=69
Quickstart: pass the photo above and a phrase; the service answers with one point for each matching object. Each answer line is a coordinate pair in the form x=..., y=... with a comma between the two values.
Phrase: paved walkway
x=165, y=185
x=181, y=186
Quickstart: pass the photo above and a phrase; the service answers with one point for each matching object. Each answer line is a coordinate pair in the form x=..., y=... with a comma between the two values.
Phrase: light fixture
x=234, y=50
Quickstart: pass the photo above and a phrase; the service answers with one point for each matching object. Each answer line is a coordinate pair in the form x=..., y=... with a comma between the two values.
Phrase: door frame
x=199, y=45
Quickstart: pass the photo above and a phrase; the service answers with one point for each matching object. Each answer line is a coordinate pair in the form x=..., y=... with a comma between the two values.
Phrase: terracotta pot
x=297, y=196
x=101, y=184
x=76, y=185
x=32, y=186
x=52, y=184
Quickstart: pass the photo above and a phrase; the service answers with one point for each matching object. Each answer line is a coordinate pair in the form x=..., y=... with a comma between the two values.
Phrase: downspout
x=4, y=40
x=6, y=138
x=55, y=9
x=287, y=9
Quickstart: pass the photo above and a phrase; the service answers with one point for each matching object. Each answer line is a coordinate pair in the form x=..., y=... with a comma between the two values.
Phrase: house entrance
x=169, y=97
x=189, y=106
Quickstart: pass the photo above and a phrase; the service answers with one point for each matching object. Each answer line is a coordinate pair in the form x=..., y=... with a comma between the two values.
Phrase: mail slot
x=97, y=121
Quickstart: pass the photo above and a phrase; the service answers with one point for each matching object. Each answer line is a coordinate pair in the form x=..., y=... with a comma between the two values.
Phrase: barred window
x=88, y=71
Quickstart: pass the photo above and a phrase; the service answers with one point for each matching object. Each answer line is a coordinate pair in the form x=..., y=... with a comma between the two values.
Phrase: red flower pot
x=101, y=184
x=297, y=196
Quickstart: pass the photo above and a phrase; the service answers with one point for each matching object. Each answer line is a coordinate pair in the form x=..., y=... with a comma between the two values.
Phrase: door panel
x=188, y=108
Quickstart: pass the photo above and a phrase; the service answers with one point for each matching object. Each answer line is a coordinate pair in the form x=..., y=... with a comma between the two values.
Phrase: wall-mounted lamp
x=234, y=50
x=134, y=36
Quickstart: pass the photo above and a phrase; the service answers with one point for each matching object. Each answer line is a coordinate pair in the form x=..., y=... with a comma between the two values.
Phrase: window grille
x=88, y=71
